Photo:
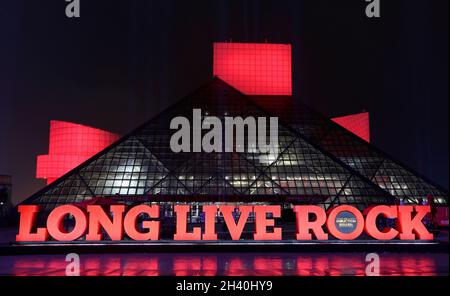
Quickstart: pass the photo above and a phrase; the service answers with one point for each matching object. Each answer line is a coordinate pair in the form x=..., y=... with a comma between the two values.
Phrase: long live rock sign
x=342, y=222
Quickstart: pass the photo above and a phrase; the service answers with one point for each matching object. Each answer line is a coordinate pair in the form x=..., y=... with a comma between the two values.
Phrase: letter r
x=304, y=225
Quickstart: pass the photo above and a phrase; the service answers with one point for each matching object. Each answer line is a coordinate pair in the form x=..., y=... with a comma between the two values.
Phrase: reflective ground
x=228, y=264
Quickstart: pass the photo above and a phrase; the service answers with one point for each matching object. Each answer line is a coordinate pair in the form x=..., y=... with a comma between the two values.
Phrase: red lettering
x=304, y=225
x=28, y=215
x=182, y=234
x=262, y=222
x=55, y=223
x=210, y=222
x=152, y=226
x=98, y=217
x=331, y=223
x=410, y=227
x=234, y=228
x=344, y=223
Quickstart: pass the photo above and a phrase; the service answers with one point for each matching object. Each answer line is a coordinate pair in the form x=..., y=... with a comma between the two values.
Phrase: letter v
x=235, y=229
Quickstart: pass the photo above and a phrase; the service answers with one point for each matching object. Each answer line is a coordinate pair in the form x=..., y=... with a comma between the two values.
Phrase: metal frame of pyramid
x=319, y=163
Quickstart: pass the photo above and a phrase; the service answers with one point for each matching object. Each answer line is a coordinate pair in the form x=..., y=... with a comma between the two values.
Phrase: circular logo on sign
x=346, y=222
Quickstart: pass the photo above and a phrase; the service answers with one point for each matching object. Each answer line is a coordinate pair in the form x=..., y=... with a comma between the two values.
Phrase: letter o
x=332, y=229
x=55, y=223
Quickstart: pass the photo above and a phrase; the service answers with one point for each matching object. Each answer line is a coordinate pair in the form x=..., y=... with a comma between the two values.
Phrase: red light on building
x=254, y=69
x=70, y=145
x=358, y=124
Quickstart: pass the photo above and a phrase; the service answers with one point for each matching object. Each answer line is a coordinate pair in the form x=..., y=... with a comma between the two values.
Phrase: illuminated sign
x=342, y=222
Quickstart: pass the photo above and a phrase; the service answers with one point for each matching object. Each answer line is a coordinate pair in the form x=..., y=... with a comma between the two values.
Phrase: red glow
x=70, y=145
x=359, y=124
x=305, y=228
x=236, y=267
x=268, y=266
x=113, y=267
x=255, y=69
x=249, y=264
x=195, y=265
x=141, y=267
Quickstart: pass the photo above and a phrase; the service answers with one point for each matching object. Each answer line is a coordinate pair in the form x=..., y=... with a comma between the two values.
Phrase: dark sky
x=124, y=61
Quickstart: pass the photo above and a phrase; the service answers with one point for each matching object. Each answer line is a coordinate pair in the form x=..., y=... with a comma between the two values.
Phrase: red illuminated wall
x=70, y=145
x=265, y=69
x=254, y=69
x=358, y=124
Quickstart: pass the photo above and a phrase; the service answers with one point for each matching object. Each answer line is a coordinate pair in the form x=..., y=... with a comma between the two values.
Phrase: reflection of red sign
x=119, y=221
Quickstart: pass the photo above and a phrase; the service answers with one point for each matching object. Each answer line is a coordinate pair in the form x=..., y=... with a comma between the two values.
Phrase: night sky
x=124, y=61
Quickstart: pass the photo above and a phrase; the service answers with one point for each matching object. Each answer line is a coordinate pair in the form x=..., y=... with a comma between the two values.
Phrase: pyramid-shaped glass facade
x=319, y=162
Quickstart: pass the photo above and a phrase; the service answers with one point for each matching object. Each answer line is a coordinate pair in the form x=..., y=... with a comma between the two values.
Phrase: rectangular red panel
x=254, y=69
x=54, y=166
x=67, y=138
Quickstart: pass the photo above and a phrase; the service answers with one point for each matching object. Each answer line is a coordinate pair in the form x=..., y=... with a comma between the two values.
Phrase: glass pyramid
x=319, y=162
